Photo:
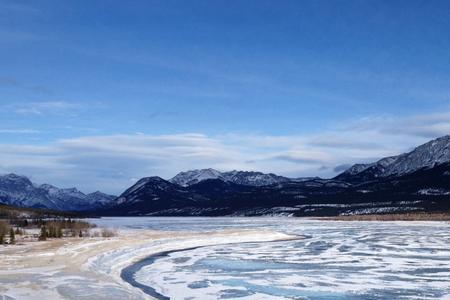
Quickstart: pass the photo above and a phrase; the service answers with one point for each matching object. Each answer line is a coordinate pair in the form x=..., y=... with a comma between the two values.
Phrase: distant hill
x=14, y=212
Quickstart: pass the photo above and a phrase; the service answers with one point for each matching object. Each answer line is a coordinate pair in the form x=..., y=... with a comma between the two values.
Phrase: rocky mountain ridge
x=20, y=191
x=428, y=155
x=250, y=178
x=414, y=181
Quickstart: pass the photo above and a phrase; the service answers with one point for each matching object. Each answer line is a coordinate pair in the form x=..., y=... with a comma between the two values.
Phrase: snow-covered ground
x=90, y=268
x=245, y=258
x=334, y=260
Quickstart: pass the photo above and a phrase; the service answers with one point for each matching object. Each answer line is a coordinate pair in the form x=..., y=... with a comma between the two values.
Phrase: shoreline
x=406, y=217
x=91, y=267
x=127, y=274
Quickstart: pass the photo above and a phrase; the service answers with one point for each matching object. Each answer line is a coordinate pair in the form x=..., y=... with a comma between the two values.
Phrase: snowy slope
x=195, y=176
x=238, y=177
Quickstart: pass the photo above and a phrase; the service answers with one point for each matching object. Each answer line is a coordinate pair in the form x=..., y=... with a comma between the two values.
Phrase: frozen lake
x=336, y=260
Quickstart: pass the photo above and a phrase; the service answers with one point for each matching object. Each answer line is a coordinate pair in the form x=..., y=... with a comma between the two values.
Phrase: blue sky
x=96, y=94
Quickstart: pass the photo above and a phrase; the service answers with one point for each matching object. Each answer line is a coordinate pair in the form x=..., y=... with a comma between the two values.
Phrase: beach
x=90, y=268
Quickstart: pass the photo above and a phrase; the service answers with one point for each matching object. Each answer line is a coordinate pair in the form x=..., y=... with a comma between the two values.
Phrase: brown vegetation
x=51, y=225
x=106, y=233
x=58, y=228
x=418, y=216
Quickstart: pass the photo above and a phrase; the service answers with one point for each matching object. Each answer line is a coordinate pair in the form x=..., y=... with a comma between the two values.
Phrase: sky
x=97, y=94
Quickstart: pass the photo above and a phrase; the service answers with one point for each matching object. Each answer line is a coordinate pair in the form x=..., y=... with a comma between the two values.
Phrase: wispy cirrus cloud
x=423, y=125
x=44, y=108
x=19, y=131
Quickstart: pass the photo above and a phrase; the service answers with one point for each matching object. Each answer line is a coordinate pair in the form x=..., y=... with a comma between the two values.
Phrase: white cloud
x=111, y=162
x=19, y=131
x=42, y=108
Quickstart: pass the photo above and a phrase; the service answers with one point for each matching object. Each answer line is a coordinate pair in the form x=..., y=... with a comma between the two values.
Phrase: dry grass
x=395, y=217
x=106, y=233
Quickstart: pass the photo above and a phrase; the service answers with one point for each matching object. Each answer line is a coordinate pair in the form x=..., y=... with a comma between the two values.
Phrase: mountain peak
x=150, y=179
x=428, y=155
x=251, y=178
x=191, y=177
x=14, y=177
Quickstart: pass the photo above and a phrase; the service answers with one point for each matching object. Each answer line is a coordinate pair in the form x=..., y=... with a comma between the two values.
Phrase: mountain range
x=19, y=191
x=415, y=181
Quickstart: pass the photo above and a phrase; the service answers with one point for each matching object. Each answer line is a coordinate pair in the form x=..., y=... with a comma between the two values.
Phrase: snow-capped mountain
x=149, y=188
x=253, y=178
x=428, y=155
x=238, y=177
x=195, y=176
x=20, y=191
x=99, y=199
x=424, y=190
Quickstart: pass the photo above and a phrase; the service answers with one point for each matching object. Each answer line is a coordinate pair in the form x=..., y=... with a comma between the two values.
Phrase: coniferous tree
x=59, y=232
x=51, y=231
x=4, y=227
x=43, y=235
x=80, y=234
x=12, y=236
x=2, y=238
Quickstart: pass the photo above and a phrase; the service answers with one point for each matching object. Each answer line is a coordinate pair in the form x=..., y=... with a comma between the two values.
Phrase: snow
x=238, y=177
x=433, y=192
x=195, y=176
x=334, y=260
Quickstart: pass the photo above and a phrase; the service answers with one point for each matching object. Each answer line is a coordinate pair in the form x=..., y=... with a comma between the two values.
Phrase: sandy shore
x=89, y=268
